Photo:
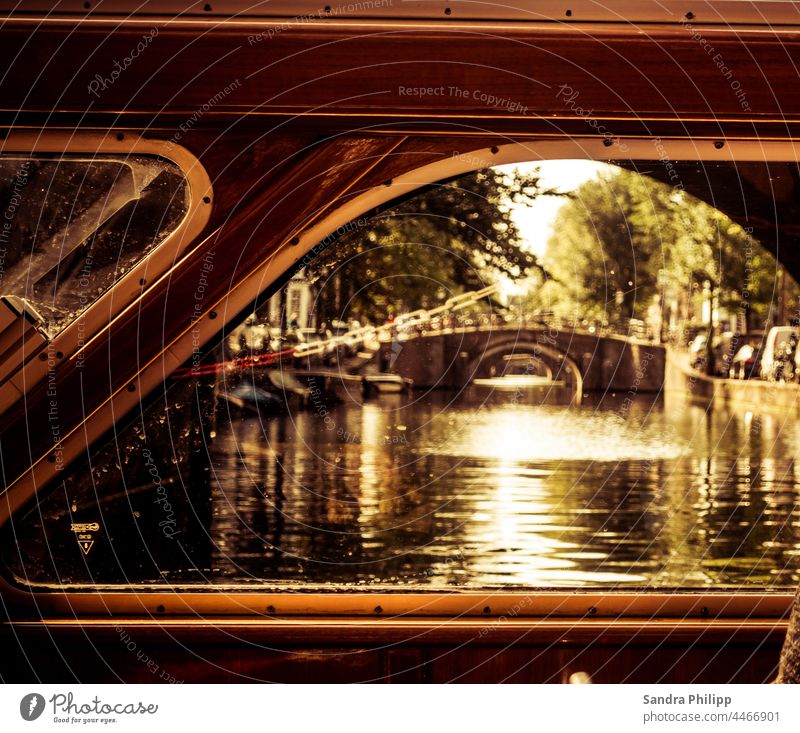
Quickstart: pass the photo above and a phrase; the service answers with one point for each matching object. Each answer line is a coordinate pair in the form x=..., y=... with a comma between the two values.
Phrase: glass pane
x=72, y=227
x=501, y=382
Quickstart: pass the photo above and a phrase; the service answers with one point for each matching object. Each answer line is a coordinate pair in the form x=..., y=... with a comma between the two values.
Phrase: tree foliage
x=622, y=243
x=624, y=239
x=453, y=237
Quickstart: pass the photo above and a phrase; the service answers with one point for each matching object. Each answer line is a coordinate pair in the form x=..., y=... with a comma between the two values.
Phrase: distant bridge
x=455, y=357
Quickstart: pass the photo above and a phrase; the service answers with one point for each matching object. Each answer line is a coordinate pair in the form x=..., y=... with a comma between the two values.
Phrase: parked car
x=778, y=359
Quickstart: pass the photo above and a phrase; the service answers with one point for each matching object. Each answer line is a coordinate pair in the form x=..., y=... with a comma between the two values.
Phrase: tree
x=454, y=236
x=608, y=245
x=624, y=238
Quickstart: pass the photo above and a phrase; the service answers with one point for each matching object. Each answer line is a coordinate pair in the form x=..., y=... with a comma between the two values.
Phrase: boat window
x=73, y=226
x=504, y=381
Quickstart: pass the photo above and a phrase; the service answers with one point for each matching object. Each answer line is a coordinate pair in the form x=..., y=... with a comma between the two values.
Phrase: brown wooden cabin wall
x=131, y=651
x=317, y=116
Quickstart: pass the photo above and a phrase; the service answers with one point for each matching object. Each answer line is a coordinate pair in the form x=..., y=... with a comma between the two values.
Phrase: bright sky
x=535, y=222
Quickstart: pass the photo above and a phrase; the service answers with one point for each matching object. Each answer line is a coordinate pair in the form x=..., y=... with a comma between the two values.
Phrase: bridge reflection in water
x=508, y=488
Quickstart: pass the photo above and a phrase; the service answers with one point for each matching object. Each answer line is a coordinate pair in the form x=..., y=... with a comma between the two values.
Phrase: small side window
x=73, y=226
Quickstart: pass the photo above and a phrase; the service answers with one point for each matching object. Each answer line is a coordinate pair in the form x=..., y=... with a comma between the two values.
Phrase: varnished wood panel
x=343, y=75
x=149, y=653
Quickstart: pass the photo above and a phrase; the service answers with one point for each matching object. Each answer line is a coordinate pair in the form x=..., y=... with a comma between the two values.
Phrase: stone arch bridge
x=452, y=359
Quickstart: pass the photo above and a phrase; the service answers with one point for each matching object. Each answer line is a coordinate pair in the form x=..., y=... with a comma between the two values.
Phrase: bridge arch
x=562, y=361
x=751, y=208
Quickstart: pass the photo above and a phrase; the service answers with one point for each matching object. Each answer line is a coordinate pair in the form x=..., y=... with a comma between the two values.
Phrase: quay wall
x=756, y=393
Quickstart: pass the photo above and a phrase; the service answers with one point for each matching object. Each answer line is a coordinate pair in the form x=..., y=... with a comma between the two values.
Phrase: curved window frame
x=759, y=611
x=154, y=265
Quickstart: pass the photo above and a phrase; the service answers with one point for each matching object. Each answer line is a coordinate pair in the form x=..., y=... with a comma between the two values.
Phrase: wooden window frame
x=745, y=607
x=148, y=270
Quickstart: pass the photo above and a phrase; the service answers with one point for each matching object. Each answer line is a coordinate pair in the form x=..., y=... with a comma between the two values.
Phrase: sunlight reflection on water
x=484, y=489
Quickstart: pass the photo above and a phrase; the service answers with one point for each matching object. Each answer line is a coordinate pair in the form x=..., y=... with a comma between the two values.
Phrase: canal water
x=509, y=485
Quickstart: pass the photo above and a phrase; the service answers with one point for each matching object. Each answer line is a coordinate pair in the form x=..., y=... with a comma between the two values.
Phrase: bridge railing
x=446, y=317
x=630, y=328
